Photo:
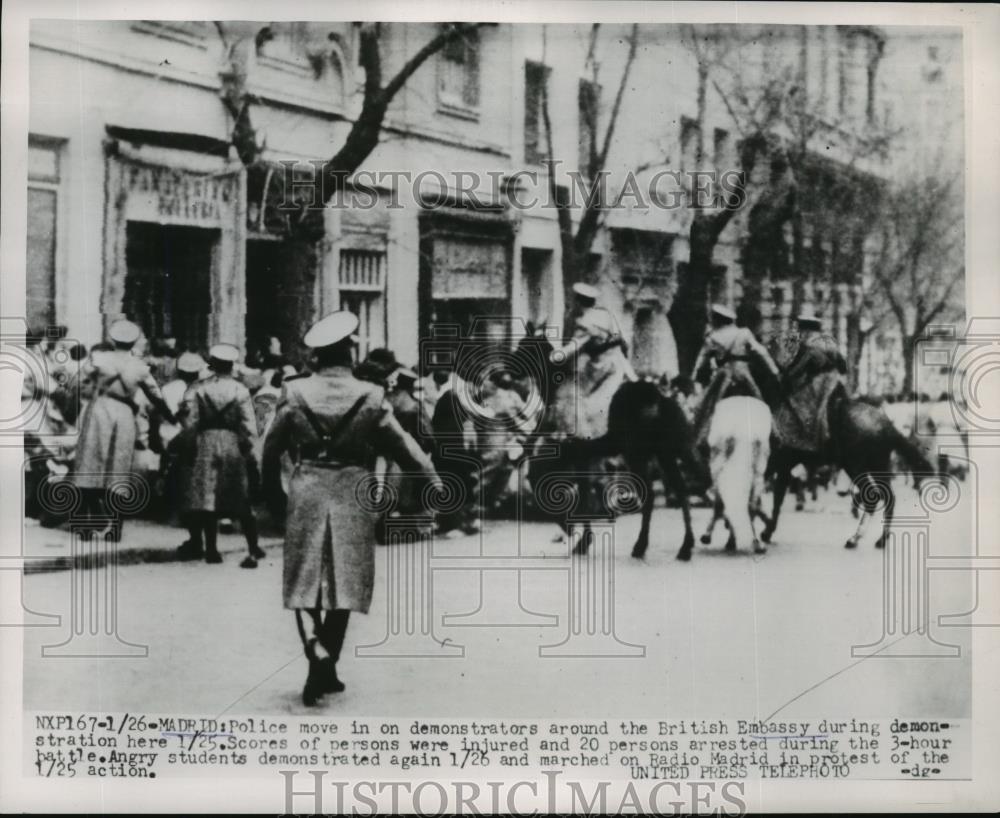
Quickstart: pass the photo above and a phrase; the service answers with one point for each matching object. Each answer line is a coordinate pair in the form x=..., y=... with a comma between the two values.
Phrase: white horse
x=739, y=437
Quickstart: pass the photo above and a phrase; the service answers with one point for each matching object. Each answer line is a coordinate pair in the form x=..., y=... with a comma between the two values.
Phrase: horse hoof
x=706, y=539
x=684, y=556
x=758, y=548
x=880, y=542
x=731, y=544
x=638, y=555
x=851, y=544
x=767, y=534
x=799, y=506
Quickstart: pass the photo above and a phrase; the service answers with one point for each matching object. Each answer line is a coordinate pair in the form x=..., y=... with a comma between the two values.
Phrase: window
x=690, y=134
x=458, y=72
x=536, y=77
x=588, y=111
x=362, y=290
x=43, y=216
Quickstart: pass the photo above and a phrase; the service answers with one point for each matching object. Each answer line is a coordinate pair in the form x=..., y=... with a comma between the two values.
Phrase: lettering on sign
x=170, y=194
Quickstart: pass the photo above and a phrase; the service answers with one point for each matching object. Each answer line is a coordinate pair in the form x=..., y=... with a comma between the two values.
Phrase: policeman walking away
x=218, y=415
x=333, y=425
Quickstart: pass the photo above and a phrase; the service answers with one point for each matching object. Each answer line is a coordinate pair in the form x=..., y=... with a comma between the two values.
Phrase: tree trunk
x=688, y=313
x=855, y=348
x=574, y=269
x=909, y=355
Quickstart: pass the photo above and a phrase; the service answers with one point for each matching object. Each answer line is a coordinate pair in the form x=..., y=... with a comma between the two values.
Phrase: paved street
x=725, y=635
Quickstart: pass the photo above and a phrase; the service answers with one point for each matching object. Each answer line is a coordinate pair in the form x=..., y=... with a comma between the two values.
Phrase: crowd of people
x=219, y=438
x=475, y=432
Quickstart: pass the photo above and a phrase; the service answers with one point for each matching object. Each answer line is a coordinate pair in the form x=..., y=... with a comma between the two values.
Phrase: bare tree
x=242, y=41
x=919, y=261
x=301, y=229
x=710, y=45
x=819, y=184
x=576, y=241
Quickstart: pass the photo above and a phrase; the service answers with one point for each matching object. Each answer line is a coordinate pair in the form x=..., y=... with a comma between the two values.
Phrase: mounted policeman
x=732, y=362
x=815, y=375
x=596, y=355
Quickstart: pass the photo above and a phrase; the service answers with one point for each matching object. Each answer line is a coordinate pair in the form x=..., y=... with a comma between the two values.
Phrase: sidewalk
x=143, y=541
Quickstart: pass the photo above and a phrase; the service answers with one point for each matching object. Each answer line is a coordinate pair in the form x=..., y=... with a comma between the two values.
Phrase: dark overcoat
x=108, y=427
x=334, y=426
x=811, y=379
x=219, y=418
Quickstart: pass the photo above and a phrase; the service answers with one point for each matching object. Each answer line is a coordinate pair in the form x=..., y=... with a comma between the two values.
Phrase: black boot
x=315, y=682
x=189, y=550
x=332, y=637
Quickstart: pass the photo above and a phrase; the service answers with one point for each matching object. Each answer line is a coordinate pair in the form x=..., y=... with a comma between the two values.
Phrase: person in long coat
x=727, y=363
x=597, y=350
x=454, y=452
x=218, y=416
x=413, y=418
x=335, y=426
x=108, y=427
x=810, y=380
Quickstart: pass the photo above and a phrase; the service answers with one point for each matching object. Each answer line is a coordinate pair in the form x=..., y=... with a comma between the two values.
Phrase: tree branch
x=453, y=32
x=633, y=44
x=562, y=208
x=364, y=134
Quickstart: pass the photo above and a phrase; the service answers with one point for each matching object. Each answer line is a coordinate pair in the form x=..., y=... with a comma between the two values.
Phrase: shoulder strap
x=327, y=438
x=215, y=413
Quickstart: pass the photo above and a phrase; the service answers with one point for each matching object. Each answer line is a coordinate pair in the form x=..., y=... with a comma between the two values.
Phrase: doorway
x=265, y=312
x=536, y=271
x=168, y=283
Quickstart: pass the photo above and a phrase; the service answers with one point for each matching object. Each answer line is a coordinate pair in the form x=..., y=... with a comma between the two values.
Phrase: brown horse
x=862, y=440
x=644, y=427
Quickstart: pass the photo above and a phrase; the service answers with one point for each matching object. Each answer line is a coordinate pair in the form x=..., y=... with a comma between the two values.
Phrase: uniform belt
x=730, y=358
x=218, y=427
x=122, y=399
x=327, y=463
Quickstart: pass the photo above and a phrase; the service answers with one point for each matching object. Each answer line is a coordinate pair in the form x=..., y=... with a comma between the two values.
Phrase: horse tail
x=916, y=461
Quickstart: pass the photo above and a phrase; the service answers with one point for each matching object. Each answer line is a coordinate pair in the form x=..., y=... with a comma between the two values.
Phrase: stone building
x=140, y=206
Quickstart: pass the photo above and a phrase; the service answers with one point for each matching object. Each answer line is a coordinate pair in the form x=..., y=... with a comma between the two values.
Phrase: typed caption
x=130, y=745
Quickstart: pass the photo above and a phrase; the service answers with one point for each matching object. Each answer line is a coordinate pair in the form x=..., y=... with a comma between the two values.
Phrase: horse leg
x=868, y=509
x=890, y=503
x=706, y=538
x=782, y=472
x=859, y=532
x=642, y=542
x=583, y=544
x=758, y=512
x=798, y=486
x=759, y=455
x=673, y=476
x=731, y=542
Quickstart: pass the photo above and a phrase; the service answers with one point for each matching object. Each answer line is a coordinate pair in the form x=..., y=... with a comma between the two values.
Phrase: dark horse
x=862, y=440
x=644, y=426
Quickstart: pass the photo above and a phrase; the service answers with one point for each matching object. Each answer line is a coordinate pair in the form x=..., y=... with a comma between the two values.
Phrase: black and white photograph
x=598, y=400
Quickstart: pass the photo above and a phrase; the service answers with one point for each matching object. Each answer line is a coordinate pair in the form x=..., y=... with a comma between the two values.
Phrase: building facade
x=139, y=205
